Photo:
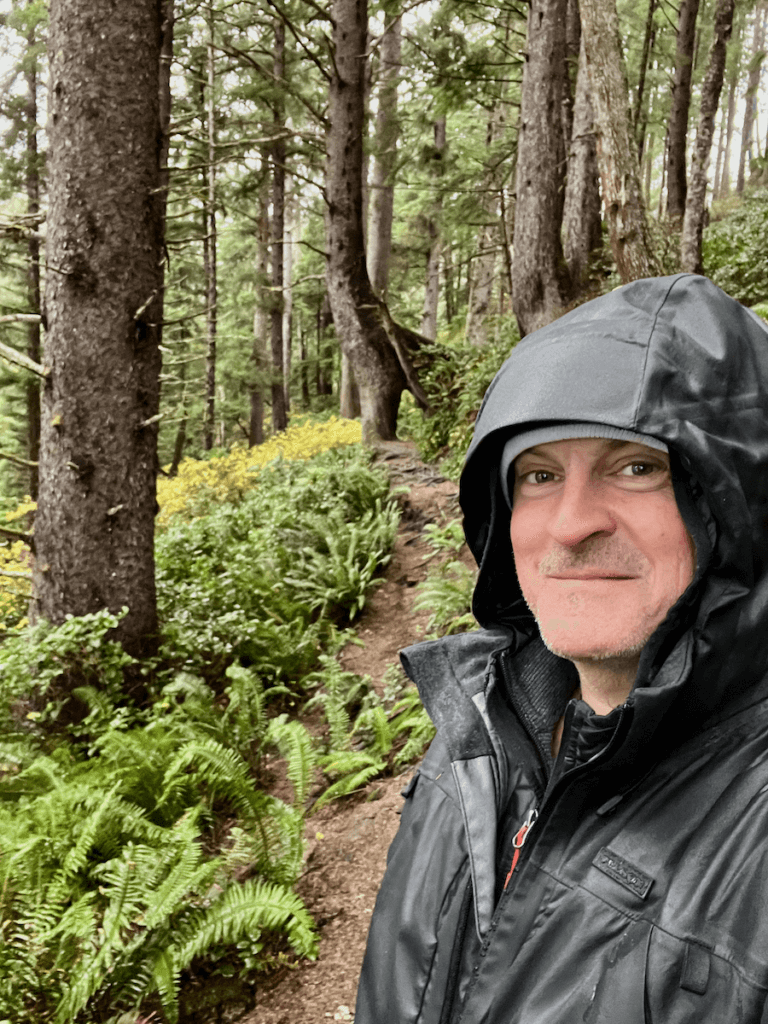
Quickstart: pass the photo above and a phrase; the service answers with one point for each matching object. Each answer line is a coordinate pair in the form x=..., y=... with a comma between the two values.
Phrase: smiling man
x=586, y=837
x=600, y=549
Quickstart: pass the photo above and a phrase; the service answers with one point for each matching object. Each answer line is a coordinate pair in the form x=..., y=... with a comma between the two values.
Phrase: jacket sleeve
x=421, y=906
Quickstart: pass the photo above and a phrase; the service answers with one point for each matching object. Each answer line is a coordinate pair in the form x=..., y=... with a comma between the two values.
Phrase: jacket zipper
x=519, y=840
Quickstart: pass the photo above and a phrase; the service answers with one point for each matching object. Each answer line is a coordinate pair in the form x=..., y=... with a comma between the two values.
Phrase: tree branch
x=16, y=535
x=17, y=460
x=19, y=358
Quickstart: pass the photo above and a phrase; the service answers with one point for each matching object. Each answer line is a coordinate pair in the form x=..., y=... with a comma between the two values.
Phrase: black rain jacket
x=640, y=895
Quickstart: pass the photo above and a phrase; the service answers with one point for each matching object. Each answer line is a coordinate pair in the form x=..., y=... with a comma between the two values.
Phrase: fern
x=355, y=767
x=296, y=746
x=447, y=595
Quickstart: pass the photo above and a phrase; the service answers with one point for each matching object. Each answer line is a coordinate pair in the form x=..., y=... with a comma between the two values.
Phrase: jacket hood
x=677, y=359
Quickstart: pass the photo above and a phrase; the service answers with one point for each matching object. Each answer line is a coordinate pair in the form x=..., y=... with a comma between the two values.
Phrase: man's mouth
x=590, y=575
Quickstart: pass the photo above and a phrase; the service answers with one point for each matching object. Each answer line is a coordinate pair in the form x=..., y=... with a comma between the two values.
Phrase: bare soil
x=347, y=841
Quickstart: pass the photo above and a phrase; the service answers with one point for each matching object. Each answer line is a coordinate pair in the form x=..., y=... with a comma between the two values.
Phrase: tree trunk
x=94, y=531
x=209, y=251
x=541, y=286
x=287, y=298
x=750, y=97
x=572, y=47
x=681, y=102
x=385, y=149
x=693, y=224
x=165, y=98
x=305, y=399
x=349, y=393
x=325, y=348
x=616, y=151
x=582, y=225
x=261, y=323
x=381, y=352
x=277, y=224
x=181, y=432
x=724, y=182
x=434, y=234
x=32, y=183
x=640, y=118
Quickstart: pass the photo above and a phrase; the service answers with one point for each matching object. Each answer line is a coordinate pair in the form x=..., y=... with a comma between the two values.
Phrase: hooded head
x=678, y=362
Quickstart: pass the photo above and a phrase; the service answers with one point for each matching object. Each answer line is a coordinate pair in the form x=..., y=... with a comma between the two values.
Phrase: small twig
x=22, y=318
x=24, y=361
x=152, y=419
x=16, y=575
x=143, y=309
x=16, y=459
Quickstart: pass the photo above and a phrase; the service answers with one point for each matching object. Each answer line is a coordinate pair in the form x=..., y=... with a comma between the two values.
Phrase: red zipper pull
x=519, y=839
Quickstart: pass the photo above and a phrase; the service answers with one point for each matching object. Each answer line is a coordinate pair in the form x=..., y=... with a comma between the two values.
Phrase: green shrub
x=262, y=581
x=447, y=594
x=734, y=252
x=455, y=381
x=108, y=891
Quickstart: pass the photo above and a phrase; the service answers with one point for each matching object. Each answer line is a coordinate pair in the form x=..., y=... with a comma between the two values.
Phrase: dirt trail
x=348, y=840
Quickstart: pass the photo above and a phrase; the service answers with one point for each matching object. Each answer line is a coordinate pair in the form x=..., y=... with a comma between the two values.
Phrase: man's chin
x=565, y=644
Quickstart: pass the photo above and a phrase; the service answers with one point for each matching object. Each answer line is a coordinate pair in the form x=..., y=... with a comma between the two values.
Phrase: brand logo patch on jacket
x=623, y=872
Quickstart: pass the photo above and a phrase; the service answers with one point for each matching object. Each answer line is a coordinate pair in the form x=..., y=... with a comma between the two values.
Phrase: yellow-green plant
x=199, y=482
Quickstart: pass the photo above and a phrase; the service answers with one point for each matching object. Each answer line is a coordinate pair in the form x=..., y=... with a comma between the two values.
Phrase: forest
x=244, y=246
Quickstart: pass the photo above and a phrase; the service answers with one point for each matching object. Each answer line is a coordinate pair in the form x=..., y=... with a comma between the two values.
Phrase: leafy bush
x=15, y=569
x=447, y=594
x=200, y=484
x=734, y=251
x=455, y=381
x=263, y=580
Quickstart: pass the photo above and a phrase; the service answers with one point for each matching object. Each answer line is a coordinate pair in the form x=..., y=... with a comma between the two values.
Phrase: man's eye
x=538, y=476
x=639, y=469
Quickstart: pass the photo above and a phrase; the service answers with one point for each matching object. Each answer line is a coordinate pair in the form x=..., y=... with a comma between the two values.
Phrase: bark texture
x=541, y=286
x=381, y=351
x=681, y=102
x=693, y=224
x=616, y=151
x=95, y=523
x=385, y=149
x=582, y=225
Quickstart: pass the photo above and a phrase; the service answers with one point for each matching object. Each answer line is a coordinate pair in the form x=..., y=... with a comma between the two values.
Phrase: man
x=587, y=838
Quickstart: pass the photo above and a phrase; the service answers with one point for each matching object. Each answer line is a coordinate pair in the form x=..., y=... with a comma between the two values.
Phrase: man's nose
x=581, y=512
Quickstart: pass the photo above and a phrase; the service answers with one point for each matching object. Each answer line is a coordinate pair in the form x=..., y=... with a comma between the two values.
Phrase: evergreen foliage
x=734, y=250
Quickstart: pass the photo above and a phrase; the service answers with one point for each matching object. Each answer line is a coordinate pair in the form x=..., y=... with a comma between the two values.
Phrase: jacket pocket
x=686, y=982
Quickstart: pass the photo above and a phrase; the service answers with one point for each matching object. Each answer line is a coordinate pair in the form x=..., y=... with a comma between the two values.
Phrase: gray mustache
x=597, y=555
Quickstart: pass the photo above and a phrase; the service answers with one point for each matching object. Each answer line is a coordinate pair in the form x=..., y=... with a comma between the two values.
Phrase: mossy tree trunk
x=94, y=532
x=616, y=149
x=381, y=351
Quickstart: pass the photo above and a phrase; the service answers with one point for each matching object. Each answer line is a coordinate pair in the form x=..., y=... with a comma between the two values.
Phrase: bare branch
x=17, y=460
x=20, y=359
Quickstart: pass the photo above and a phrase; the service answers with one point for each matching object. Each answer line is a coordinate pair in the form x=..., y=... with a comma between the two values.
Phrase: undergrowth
x=142, y=855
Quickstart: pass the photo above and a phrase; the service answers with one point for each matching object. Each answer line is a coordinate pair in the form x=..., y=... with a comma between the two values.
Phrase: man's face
x=600, y=548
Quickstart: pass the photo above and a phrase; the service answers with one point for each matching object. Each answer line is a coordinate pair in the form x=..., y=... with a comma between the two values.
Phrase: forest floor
x=347, y=841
